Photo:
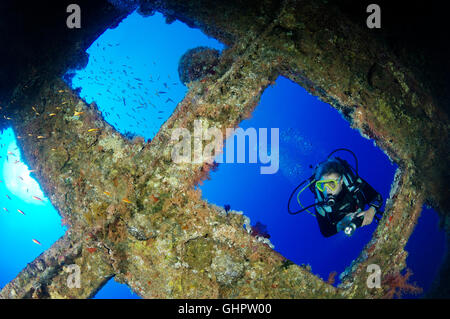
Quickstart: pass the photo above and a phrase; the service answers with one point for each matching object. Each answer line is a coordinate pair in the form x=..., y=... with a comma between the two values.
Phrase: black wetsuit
x=366, y=195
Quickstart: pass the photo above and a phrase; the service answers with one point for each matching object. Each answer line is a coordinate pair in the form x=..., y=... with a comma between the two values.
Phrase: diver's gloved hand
x=368, y=215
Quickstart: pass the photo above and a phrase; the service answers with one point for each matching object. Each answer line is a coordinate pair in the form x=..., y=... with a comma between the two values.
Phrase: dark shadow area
x=36, y=42
x=414, y=31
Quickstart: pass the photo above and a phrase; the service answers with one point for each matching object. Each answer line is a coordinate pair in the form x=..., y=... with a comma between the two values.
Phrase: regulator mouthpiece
x=331, y=200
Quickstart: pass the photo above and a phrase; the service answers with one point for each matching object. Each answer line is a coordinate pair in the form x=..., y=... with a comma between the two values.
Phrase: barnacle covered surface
x=196, y=63
x=134, y=211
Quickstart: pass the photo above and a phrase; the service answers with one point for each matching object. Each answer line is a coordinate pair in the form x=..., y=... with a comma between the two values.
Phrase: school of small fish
x=134, y=98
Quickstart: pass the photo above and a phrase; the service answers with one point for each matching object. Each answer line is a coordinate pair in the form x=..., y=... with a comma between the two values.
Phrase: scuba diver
x=340, y=197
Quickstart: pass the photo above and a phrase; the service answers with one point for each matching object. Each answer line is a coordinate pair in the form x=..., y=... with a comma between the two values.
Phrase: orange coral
x=91, y=250
x=203, y=174
x=398, y=285
x=332, y=278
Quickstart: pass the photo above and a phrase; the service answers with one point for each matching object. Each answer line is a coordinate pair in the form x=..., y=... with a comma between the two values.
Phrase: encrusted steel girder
x=132, y=211
x=49, y=275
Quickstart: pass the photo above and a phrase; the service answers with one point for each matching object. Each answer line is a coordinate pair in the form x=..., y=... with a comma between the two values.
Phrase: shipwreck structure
x=163, y=240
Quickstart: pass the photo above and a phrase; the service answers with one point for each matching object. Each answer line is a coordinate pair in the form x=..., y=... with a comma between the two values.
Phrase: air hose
x=313, y=181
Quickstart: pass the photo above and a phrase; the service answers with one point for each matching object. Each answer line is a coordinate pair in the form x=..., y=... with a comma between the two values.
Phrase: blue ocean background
x=132, y=76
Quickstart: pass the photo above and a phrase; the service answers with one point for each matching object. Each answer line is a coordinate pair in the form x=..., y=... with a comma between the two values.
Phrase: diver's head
x=329, y=177
x=332, y=184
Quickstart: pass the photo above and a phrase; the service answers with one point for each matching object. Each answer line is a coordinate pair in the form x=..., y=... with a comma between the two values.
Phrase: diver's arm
x=368, y=215
x=373, y=198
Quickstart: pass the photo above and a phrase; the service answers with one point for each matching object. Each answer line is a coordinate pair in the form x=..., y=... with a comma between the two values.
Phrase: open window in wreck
x=29, y=224
x=308, y=131
x=133, y=72
x=426, y=252
x=114, y=290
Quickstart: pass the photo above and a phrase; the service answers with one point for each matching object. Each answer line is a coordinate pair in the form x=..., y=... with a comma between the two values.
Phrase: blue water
x=115, y=290
x=127, y=68
x=40, y=222
x=426, y=250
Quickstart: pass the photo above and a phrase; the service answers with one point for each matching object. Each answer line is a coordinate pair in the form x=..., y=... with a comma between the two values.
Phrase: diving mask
x=329, y=183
